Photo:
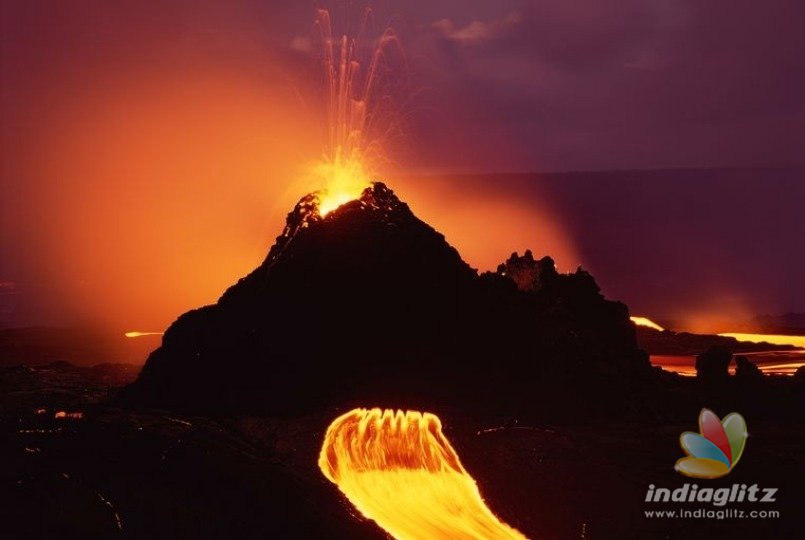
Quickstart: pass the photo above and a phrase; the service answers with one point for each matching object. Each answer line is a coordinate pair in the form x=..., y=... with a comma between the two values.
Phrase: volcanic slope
x=369, y=304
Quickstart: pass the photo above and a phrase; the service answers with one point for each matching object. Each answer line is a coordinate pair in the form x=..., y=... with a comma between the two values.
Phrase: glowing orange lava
x=141, y=334
x=399, y=470
x=75, y=415
x=774, y=339
x=645, y=321
x=344, y=181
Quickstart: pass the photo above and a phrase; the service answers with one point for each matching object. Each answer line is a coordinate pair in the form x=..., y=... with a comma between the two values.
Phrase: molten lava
x=142, y=334
x=74, y=415
x=399, y=470
x=645, y=321
x=344, y=181
x=359, y=110
x=774, y=339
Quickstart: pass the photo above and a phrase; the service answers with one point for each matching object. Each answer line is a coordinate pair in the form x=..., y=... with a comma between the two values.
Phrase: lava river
x=399, y=470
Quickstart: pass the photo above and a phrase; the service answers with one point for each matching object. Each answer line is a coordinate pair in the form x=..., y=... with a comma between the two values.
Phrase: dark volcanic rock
x=369, y=304
x=746, y=370
x=528, y=274
x=713, y=365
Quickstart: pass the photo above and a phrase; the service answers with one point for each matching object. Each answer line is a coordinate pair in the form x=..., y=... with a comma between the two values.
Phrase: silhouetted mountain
x=788, y=324
x=42, y=345
x=712, y=366
x=370, y=304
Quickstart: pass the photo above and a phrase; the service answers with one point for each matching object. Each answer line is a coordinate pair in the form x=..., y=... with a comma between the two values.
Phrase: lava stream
x=399, y=470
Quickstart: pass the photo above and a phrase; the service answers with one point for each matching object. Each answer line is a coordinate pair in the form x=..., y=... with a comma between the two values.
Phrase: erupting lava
x=359, y=111
x=399, y=470
x=345, y=181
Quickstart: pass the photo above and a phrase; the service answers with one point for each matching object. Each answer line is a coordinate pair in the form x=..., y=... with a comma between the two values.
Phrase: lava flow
x=645, y=321
x=142, y=334
x=398, y=469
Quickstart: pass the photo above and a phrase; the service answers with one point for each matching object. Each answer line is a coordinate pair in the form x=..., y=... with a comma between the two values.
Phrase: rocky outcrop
x=799, y=375
x=526, y=273
x=712, y=366
x=746, y=370
x=370, y=304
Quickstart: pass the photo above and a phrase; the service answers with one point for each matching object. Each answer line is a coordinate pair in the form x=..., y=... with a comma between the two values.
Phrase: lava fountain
x=398, y=469
x=359, y=109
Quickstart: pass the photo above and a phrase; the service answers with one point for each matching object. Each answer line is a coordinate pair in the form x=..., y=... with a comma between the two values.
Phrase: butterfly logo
x=716, y=449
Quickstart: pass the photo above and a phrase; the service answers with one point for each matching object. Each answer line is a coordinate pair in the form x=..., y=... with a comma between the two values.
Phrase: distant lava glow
x=644, y=321
x=774, y=339
x=399, y=470
x=141, y=334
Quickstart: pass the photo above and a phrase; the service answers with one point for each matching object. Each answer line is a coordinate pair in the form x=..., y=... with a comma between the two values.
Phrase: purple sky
x=580, y=84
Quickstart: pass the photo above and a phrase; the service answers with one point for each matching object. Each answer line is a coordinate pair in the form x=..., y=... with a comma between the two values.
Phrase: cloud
x=476, y=31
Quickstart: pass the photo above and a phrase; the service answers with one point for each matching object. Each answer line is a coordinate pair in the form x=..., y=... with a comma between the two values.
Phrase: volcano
x=367, y=303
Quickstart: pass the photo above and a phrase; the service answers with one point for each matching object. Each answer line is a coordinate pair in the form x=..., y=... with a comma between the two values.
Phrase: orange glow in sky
x=148, y=188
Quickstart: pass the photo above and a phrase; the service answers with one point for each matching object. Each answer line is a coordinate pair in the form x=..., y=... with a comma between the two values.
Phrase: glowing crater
x=345, y=180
